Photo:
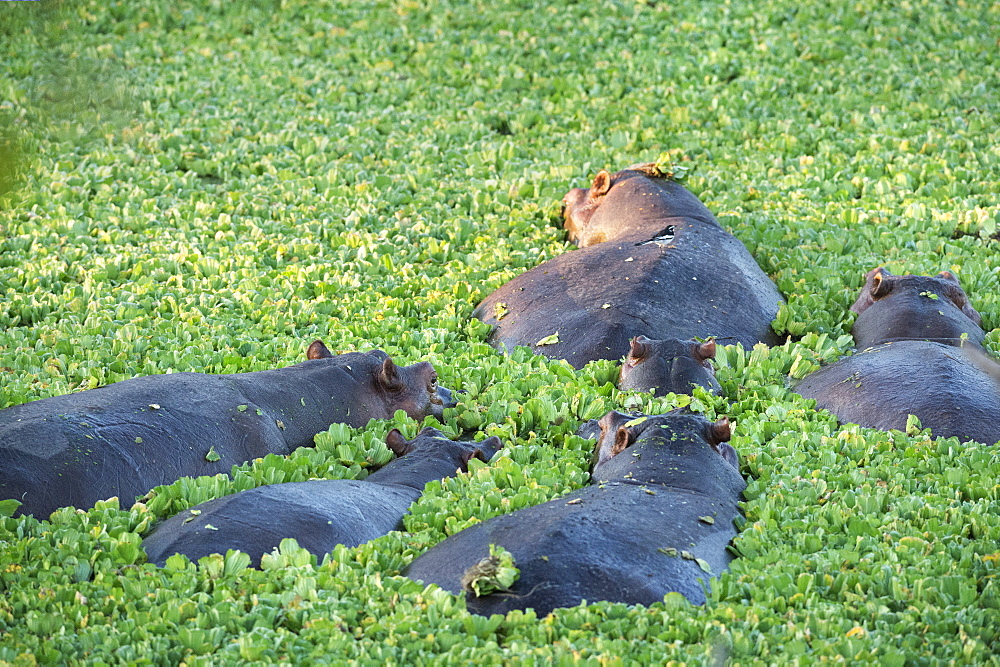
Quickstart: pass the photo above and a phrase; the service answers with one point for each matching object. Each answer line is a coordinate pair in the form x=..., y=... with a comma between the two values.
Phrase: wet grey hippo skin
x=668, y=366
x=620, y=539
x=912, y=359
x=653, y=261
x=125, y=438
x=892, y=308
x=319, y=514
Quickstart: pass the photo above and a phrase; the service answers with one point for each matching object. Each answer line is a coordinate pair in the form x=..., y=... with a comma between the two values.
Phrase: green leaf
x=9, y=506
x=496, y=572
x=549, y=340
x=212, y=455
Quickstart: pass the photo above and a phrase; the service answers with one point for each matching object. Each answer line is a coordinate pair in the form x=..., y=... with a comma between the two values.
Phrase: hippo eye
x=432, y=385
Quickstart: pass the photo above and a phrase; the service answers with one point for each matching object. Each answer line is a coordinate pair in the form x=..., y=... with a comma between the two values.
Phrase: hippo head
x=413, y=389
x=619, y=431
x=432, y=443
x=635, y=201
x=668, y=366
x=914, y=307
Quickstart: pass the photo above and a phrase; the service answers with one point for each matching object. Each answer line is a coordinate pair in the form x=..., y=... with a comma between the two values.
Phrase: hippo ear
x=493, y=442
x=395, y=441
x=638, y=348
x=389, y=376
x=473, y=454
x=881, y=285
x=949, y=276
x=719, y=432
x=623, y=438
x=730, y=454
x=958, y=297
x=706, y=350
x=878, y=283
x=317, y=350
x=602, y=183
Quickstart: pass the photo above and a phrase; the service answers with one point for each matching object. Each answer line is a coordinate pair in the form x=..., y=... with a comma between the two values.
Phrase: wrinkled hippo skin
x=125, y=438
x=653, y=262
x=911, y=307
x=319, y=514
x=913, y=360
x=668, y=366
x=614, y=539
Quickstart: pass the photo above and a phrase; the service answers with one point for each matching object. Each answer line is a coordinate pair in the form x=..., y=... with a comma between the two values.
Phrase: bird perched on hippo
x=657, y=518
x=920, y=353
x=653, y=261
x=125, y=438
x=319, y=514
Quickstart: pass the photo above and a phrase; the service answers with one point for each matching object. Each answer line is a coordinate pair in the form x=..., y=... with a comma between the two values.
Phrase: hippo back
x=953, y=391
x=703, y=283
x=623, y=539
x=125, y=438
x=319, y=514
x=617, y=542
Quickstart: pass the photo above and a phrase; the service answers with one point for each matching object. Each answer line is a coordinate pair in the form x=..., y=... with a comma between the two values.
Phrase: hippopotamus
x=920, y=354
x=653, y=261
x=892, y=308
x=319, y=514
x=657, y=518
x=125, y=438
x=667, y=366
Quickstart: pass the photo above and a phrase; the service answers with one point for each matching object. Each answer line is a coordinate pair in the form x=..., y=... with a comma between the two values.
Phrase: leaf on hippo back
x=499, y=310
x=155, y=406
x=669, y=551
x=912, y=425
x=707, y=519
x=549, y=340
x=496, y=572
x=242, y=408
x=194, y=513
x=703, y=564
x=212, y=455
x=635, y=422
x=209, y=526
x=930, y=295
x=606, y=306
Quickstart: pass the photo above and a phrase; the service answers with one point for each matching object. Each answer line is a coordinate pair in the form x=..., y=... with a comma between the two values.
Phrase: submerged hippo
x=125, y=438
x=657, y=519
x=668, y=366
x=319, y=514
x=653, y=261
x=892, y=308
x=921, y=356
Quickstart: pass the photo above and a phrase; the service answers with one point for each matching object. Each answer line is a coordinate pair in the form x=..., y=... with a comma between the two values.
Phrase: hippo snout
x=444, y=397
x=589, y=429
